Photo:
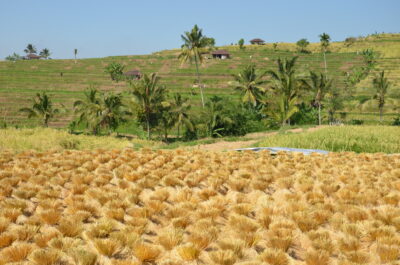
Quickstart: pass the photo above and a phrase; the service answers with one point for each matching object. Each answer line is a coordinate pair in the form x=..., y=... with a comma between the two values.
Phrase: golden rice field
x=195, y=207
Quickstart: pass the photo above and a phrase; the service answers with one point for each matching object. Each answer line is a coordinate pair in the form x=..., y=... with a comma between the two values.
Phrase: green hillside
x=20, y=80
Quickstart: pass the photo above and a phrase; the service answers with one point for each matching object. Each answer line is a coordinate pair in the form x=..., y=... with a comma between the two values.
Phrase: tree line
x=270, y=98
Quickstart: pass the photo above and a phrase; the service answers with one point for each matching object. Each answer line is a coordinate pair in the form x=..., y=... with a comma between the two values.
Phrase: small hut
x=32, y=56
x=133, y=74
x=220, y=54
x=257, y=41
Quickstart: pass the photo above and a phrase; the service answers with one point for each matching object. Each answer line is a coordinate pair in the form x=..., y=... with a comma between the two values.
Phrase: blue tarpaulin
x=274, y=150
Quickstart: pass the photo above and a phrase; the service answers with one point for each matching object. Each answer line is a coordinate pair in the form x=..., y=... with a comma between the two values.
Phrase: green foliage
x=249, y=82
x=285, y=90
x=147, y=99
x=30, y=49
x=42, y=108
x=302, y=45
x=396, y=121
x=241, y=44
x=381, y=84
x=306, y=115
x=100, y=111
x=318, y=85
x=369, y=56
x=115, y=70
x=14, y=57
x=333, y=102
x=195, y=45
x=325, y=41
x=45, y=53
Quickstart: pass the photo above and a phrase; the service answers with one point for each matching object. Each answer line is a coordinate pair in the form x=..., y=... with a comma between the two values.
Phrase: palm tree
x=115, y=70
x=319, y=85
x=148, y=96
x=30, y=49
x=193, y=48
x=249, y=82
x=113, y=111
x=333, y=101
x=285, y=86
x=284, y=109
x=42, y=108
x=75, y=53
x=181, y=109
x=324, y=38
x=45, y=53
x=88, y=109
x=381, y=84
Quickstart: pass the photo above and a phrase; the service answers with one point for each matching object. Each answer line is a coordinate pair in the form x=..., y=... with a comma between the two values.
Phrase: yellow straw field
x=196, y=207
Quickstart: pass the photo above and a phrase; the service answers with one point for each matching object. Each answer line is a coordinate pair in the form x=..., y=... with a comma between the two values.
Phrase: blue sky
x=121, y=27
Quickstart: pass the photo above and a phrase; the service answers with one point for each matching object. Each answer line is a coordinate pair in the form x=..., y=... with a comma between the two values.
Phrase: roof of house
x=32, y=56
x=133, y=72
x=257, y=40
x=220, y=52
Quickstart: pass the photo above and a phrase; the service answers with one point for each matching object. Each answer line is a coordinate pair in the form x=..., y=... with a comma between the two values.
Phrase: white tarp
x=274, y=150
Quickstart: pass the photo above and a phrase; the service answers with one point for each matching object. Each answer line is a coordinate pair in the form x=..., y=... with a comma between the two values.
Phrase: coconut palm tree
x=30, y=49
x=319, y=85
x=194, y=47
x=42, y=108
x=324, y=39
x=148, y=96
x=75, y=53
x=285, y=86
x=89, y=109
x=181, y=109
x=45, y=53
x=249, y=82
x=381, y=84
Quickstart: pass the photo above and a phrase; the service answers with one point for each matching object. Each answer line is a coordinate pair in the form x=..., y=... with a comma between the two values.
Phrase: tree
x=285, y=86
x=88, y=109
x=241, y=44
x=194, y=47
x=275, y=46
x=210, y=42
x=381, y=84
x=216, y=119
x=302, y=45
x=30, y=49
x=14, y=57
x=45, y=53
x=148, y=96
x=333, y=101
x=75, y=53
x=249, y=83
x=101, y=111
x=324, y=39
x=42, y=108
x=115, y=70
x=182, y=108
x=319, y=85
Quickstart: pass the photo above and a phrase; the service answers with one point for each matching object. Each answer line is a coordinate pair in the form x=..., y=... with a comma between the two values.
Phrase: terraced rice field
x=21, y=80
x=197, y=207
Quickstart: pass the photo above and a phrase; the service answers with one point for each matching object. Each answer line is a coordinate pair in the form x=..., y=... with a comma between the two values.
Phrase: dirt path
x=255, y=137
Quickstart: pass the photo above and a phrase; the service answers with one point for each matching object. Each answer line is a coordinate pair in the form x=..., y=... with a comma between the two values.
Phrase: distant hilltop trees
x=31, y=54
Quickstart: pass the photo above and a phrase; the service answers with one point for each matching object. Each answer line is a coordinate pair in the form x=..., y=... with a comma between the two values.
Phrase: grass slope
x=19, y=81
x=368, y=139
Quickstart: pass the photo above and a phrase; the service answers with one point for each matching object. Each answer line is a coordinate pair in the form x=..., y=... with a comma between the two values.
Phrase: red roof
x=32, y=56
x=220, y=52
x=257, y=40
x=133, y=73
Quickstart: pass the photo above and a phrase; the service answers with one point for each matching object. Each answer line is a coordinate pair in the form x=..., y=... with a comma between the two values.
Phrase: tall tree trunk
x=380, y=114
x=148, y=125
x=198, y=81
x=326, y=70
x=179, y=126
x=319, y=113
